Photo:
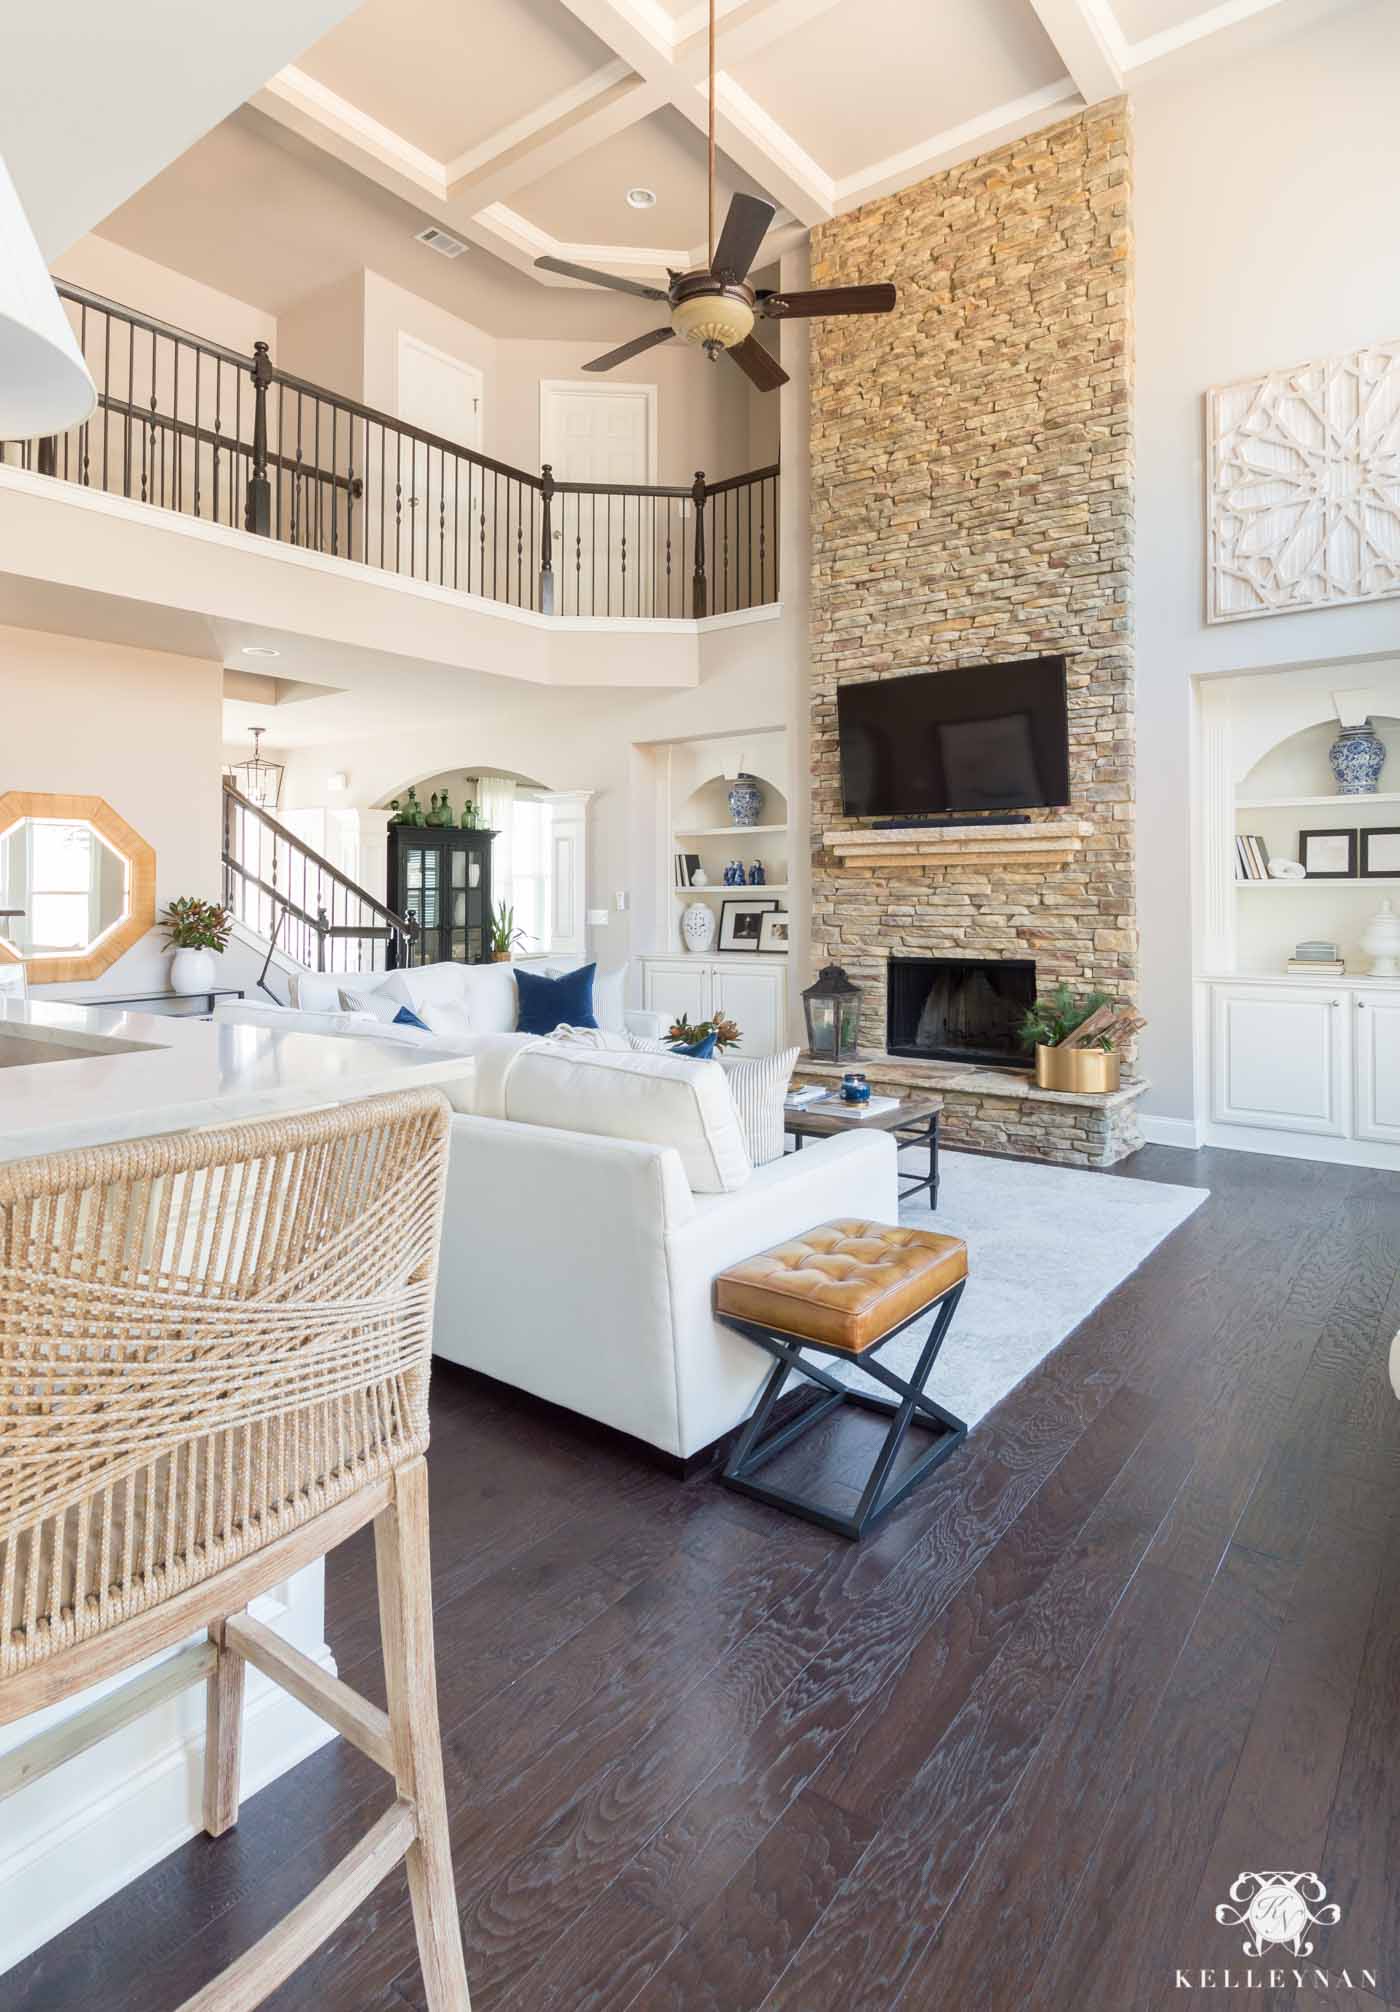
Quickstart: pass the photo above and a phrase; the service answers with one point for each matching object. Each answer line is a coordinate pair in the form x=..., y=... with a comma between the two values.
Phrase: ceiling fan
x=715, y=308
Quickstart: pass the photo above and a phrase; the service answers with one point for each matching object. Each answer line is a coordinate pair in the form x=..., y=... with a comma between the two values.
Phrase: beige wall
x=320, y=338
x=155, y=290
x=139, y=728
x=1265, y=238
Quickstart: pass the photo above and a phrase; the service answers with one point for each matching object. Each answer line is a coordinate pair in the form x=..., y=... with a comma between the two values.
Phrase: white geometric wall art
x=1303, y=487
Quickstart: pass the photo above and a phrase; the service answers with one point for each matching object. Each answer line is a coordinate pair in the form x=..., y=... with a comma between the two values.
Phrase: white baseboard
x=1281, y=1145
x=1183, y=1132
x=61, y=1863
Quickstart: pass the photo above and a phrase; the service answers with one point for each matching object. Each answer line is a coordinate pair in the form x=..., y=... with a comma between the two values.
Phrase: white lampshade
x=45, y=386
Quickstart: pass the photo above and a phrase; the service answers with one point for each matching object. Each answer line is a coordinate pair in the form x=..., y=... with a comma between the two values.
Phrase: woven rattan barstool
x=214, y=1353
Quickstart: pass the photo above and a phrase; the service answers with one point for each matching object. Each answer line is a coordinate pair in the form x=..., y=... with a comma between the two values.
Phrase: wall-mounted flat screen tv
x=984, y=737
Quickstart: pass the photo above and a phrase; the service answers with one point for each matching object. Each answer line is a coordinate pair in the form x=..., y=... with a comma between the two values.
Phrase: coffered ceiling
x=521, y=125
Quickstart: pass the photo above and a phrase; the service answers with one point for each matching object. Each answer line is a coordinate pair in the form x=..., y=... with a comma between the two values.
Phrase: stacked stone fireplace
x=972, y=504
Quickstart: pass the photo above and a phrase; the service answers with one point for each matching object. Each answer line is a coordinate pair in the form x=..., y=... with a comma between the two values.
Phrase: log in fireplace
x=958, y=1009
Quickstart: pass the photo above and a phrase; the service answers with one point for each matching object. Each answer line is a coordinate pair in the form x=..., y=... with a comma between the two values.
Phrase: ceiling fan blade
x=630, y=349
x=826, y=300
x=602, y=279
x=757, y=365
x=745, y=228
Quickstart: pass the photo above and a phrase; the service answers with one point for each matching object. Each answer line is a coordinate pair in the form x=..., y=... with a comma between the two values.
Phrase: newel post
x=699, y=586
x=257, y=515
x=547, y=541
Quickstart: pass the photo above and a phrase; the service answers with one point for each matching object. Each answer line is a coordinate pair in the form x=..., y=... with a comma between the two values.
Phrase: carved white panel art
x=1303, y=502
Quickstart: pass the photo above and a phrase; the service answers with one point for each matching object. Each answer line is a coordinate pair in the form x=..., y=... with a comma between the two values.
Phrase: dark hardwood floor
x=1141, y=1634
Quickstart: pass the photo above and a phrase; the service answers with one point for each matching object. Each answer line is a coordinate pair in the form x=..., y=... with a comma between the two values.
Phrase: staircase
x=306, y=911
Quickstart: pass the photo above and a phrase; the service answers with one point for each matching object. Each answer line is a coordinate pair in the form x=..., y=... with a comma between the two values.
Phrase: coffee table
x=914, y=1122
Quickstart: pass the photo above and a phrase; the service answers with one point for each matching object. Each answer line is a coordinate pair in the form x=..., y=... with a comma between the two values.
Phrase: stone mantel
x=1049, y=842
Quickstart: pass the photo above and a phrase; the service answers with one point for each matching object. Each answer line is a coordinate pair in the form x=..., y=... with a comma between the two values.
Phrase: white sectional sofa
x=486, y=993
x=592, y=1197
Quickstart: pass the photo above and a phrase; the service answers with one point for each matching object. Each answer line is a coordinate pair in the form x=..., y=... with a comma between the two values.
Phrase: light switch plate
x=597, y=918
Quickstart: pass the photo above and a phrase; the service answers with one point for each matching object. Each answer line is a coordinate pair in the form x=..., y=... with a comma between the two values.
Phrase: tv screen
x=986, y=737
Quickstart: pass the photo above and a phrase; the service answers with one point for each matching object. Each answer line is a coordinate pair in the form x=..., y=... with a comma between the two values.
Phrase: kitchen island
x=73, y=1075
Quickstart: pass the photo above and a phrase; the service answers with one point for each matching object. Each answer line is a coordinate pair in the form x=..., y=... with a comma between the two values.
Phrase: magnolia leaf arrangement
x=192, y=924
x=726, y=1033
x=1065, y=1019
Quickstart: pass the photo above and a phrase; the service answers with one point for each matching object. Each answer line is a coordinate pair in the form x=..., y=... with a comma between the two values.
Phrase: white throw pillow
x=660, y=1100
x=373, y=1004
x=448, y=1022
x=758, y=1085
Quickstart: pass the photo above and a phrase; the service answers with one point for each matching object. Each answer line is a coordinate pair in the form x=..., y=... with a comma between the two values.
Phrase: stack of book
x=1318, y=958
x=804, y=1094
x=1251, y=856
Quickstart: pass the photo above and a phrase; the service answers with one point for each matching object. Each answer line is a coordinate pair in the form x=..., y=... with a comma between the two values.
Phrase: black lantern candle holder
x=832, y=1009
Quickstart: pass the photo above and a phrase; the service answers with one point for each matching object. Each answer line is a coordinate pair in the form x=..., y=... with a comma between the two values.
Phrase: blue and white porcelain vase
x=1357, y=756
x=745, y=800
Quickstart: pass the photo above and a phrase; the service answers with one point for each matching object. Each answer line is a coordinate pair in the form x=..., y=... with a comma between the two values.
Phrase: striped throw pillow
x=758, y=1085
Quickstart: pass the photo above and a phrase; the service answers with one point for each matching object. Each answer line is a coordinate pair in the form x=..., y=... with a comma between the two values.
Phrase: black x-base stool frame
x=752, y=1450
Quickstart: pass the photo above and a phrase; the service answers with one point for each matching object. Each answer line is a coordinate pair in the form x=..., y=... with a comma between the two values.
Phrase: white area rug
x=1045, y=1245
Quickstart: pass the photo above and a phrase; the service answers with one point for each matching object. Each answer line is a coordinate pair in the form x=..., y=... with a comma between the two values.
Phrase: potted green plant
x=506, y=939
x=194, y=930
x=726, y=1033
x=1076, y=1037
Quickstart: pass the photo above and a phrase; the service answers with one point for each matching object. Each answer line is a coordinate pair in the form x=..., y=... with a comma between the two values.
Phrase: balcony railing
x=187, y=425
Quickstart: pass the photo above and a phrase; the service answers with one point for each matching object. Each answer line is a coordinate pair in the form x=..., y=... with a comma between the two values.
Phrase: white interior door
x=441, y=395
x=603, y=434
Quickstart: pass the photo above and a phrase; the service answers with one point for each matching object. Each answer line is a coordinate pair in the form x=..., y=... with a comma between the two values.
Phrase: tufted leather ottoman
x=844, y=1289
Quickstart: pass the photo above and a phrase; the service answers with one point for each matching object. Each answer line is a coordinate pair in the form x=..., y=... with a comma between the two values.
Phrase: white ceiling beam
x=512, y=161
x=1089, y=42
x=756, y=143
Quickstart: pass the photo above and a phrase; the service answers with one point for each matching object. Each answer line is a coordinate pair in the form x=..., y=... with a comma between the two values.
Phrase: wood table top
x=823, y=1124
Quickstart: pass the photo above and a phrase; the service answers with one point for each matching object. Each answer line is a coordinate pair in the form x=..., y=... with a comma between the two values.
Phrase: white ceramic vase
x=1381, y=942
x=193, y=971
x=698, y=927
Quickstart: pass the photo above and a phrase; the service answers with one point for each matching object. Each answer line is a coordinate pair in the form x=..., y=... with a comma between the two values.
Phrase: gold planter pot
x=1083, y=1070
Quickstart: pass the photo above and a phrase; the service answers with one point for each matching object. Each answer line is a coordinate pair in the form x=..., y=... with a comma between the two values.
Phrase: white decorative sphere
x=698, y=927
x=699, y=878
x=1381, y=942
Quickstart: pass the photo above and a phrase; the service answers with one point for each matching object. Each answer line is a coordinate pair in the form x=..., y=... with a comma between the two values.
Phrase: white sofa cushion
x=485, y=992
x=659, y=1100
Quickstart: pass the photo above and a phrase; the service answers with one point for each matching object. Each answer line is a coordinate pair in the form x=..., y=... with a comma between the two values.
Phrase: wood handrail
x=280, y=830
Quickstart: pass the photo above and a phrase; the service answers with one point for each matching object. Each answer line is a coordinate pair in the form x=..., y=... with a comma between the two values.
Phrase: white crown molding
x=1089, y=43
x=658, y=61
x=521, y=131
x=959, y=143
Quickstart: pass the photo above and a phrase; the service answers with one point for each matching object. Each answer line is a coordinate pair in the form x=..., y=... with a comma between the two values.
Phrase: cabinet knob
x=1336, y=1002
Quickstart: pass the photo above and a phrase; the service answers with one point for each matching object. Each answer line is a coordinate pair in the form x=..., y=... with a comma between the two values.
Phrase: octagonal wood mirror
x=77, y=885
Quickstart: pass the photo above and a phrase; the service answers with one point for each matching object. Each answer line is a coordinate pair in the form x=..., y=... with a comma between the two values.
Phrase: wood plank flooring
x=1139, y=1635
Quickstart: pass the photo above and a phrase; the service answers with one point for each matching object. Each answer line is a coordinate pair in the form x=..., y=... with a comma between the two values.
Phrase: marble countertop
x=161, y=1074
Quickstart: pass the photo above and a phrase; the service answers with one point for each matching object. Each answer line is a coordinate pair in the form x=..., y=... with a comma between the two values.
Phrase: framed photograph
x=1328, y=855
x=1380, y=853
x=773, y=932
x=741, y=923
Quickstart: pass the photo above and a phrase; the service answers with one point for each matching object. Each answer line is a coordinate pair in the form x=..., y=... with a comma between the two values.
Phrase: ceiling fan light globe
x=713, y=318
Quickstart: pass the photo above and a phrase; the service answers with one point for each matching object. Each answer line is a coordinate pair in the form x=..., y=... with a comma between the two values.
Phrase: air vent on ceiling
x=441, y=241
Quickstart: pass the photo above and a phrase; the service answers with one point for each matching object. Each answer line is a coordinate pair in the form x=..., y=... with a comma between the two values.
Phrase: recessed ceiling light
x=259, y=650
x=642, y=199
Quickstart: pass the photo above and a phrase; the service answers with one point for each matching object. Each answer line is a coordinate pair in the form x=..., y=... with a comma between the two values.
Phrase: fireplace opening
x=959, y=1009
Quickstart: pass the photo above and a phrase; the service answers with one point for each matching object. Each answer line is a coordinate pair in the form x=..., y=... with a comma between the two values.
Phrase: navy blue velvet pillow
x=547, y=1003
x=701, y=1050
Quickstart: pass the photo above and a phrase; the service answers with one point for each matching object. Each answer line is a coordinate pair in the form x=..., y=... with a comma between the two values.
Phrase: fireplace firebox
x=959, y=1009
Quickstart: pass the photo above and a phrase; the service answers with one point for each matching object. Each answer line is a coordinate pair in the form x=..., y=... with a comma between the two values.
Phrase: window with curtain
x=530, y=865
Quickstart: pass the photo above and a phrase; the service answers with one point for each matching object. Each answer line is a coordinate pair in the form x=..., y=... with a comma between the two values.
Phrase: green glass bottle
x=467, y=822
x=395, y=811
x=413, y=810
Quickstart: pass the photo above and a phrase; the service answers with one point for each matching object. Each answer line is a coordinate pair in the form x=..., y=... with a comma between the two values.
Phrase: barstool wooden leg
x=410, y=1673
x=223, y=1736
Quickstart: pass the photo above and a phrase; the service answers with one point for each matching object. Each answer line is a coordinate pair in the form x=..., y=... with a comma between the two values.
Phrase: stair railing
x=299, y=903
x=192, y=426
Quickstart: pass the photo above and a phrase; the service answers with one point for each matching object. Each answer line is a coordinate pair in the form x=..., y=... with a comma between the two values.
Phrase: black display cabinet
x=443, y=879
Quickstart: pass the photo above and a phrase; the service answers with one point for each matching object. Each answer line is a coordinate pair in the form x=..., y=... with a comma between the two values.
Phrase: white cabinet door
x=673, y=989
x=1281, y=1059
x=1377, y=1032
x=757, y=1001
